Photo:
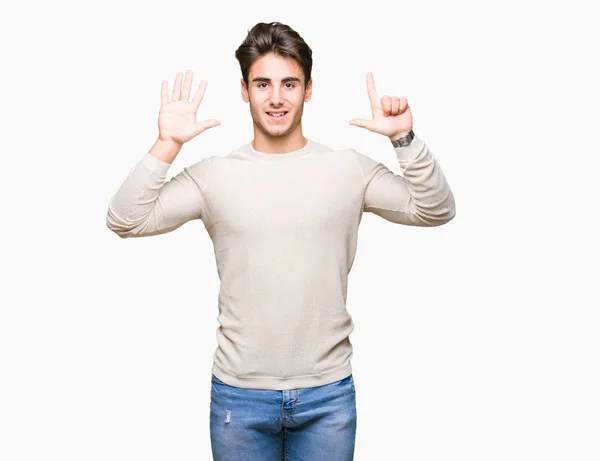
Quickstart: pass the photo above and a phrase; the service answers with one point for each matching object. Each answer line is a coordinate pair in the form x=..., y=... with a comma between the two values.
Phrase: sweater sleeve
x=421, y=197
x=146, y=205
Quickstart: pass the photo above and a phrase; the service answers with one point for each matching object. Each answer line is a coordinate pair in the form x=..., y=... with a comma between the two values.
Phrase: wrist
x=397, y=136
x=403, y=139
x=165, y=150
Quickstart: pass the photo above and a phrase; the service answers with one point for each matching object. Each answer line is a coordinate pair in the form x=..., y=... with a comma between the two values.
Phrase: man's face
x=276, y=84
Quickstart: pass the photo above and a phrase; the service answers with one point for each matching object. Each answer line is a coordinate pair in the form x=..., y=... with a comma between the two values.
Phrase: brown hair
x=276, y=38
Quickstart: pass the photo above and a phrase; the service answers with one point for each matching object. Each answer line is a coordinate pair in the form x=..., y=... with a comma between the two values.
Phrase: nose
x=276, y=98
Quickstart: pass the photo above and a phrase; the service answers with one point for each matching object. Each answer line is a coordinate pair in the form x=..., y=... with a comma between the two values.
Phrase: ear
x=308, y=93
x=245, y=96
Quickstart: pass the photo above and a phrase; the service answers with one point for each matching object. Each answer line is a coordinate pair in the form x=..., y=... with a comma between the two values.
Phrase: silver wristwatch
x=404, y=140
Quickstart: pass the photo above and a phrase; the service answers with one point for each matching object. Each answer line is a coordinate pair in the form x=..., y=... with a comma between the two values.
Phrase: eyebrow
x=283, y=80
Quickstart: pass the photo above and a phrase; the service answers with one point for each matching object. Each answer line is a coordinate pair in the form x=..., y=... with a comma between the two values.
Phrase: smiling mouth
x=276, y=115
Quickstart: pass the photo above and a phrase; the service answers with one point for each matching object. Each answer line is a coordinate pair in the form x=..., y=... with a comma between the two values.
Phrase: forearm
x=130, y=211
x=420, y=196
x=146, y=204
x=431, y=200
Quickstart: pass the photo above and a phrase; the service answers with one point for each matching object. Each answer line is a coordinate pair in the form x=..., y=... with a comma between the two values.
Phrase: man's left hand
x=391, y=115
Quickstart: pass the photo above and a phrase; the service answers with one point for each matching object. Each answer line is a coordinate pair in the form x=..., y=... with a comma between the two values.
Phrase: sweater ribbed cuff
x=155, y=165
x=410, y=152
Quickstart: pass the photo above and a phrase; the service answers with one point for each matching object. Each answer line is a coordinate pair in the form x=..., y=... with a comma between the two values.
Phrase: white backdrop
x=476, y=340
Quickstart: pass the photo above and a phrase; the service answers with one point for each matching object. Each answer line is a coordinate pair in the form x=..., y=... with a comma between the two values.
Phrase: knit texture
x=284, y=229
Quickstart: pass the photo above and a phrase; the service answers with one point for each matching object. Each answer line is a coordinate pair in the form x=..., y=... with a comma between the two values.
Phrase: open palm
x=177, y=118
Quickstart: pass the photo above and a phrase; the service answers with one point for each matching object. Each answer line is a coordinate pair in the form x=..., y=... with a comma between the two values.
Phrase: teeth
x=276, y=114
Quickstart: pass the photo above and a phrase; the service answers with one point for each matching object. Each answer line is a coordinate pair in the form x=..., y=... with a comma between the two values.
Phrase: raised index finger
x=373, y=98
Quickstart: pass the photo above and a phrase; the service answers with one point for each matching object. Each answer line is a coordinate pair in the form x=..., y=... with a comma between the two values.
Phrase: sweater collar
x=276, y=157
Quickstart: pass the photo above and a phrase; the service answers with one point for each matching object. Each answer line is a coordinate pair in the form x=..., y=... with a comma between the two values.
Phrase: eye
x=264, y=83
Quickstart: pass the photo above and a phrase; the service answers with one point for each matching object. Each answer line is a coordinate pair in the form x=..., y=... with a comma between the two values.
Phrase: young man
x=283, y=213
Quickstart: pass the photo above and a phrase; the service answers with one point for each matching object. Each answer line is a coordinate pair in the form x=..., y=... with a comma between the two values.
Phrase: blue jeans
x=306, y=424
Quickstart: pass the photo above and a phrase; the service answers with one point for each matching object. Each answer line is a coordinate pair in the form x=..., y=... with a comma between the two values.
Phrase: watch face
x=405, y=140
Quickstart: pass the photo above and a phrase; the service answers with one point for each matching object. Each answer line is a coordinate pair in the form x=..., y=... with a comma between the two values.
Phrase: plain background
x=477, y=340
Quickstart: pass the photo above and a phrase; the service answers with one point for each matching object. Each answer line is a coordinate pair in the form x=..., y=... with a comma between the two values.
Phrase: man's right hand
x=177, y=122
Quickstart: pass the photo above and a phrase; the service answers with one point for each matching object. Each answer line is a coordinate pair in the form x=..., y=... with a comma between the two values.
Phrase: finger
x=164, y=93
x=177, y=87
x=206, y=124
x=199, y=93
x=403, y=105
x=386, y=105
x=187, y=86
x=395, y=110
x=362, y=123
x=375, y=102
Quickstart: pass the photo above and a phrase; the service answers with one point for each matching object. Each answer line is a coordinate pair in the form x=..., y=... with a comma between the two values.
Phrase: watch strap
x=404, y=140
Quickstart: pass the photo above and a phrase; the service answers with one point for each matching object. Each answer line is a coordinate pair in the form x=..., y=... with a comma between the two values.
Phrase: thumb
x=206, y=124
x=368, y=124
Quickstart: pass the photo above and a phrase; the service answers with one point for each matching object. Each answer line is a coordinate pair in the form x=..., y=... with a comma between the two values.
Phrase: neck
x=268, y=144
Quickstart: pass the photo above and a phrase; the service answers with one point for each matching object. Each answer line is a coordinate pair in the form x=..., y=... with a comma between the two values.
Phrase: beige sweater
x=284, y=230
